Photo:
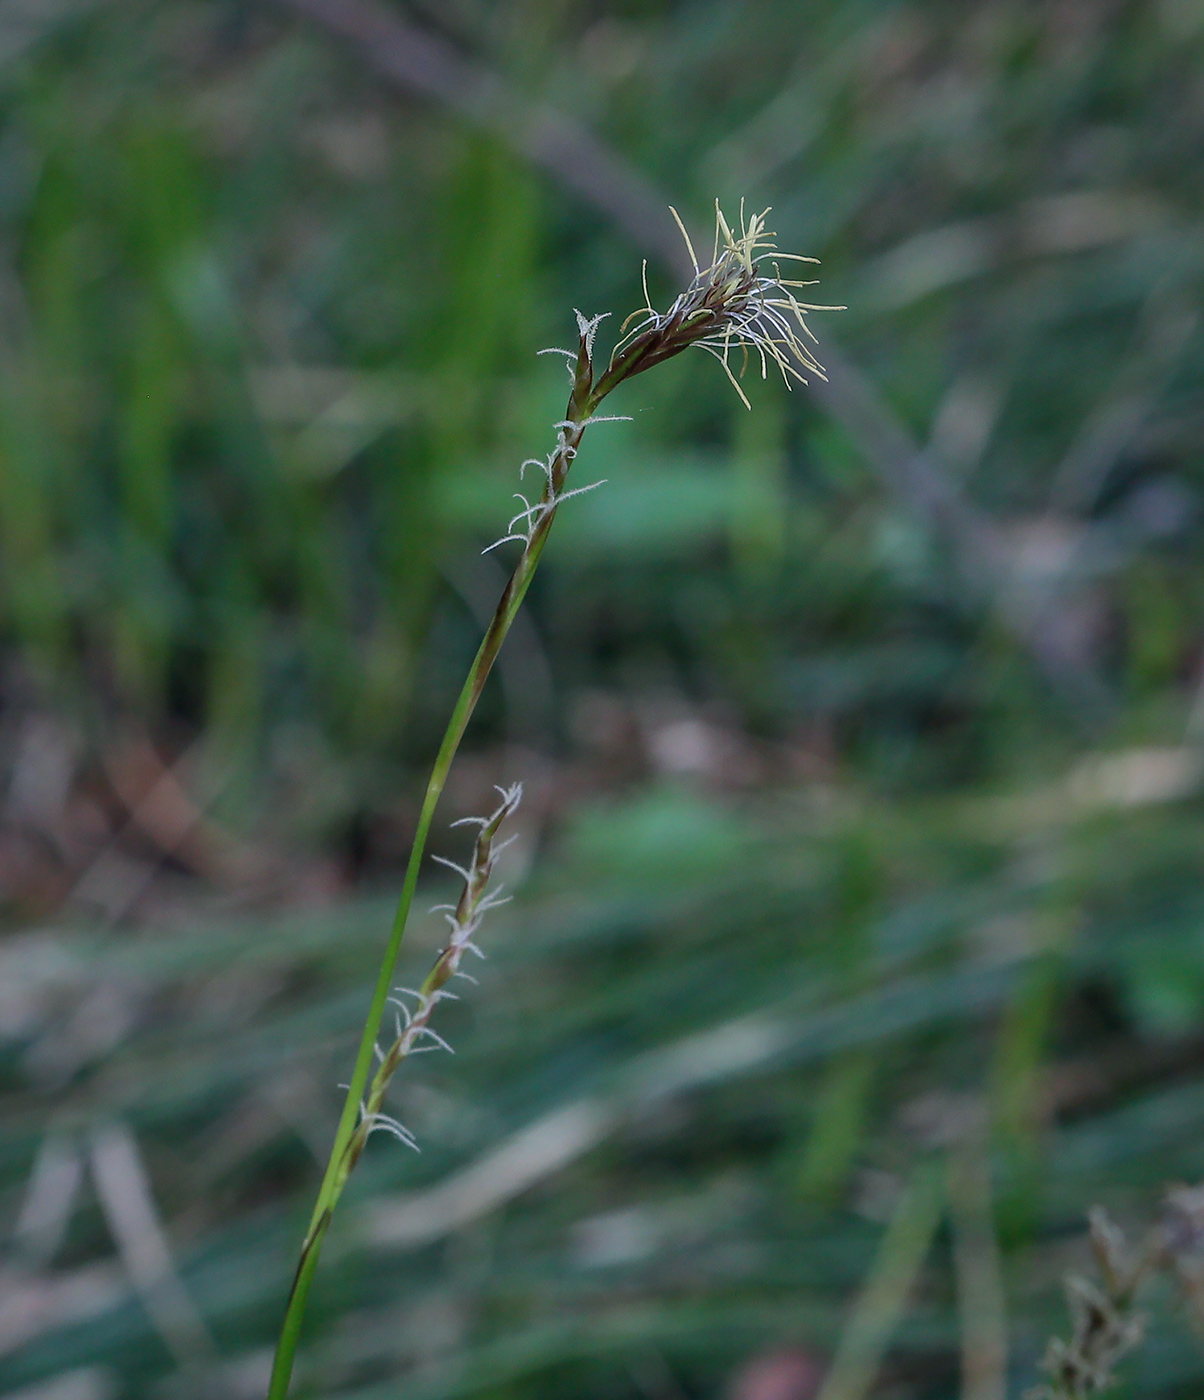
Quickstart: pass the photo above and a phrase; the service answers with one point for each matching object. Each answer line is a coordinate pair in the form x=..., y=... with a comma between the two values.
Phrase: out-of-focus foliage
x=685, y=1096
x=866, y=845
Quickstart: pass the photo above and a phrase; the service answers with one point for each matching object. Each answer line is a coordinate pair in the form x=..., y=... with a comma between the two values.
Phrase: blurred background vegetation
x=859, y=939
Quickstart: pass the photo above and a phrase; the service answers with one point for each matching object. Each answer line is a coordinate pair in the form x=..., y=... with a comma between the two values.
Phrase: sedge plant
x=739, y=301
x=1106, y=1322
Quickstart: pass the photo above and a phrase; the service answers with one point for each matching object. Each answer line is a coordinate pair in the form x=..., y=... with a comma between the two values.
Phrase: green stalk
x=349, y=1138
x=730, y=304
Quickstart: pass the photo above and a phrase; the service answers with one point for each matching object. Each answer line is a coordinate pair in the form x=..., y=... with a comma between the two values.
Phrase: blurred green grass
x=829, y=834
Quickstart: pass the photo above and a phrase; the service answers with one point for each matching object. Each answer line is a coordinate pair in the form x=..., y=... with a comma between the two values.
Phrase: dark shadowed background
x=858, y=945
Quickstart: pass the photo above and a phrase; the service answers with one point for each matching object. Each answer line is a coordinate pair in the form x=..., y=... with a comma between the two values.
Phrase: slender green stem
x=731, y=304
x=349, y=1139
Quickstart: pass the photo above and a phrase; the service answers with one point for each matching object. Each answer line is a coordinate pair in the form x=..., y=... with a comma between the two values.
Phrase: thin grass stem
x=728, y=303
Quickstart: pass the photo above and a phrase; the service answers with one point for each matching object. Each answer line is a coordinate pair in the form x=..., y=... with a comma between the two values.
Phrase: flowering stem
x=730, y=304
